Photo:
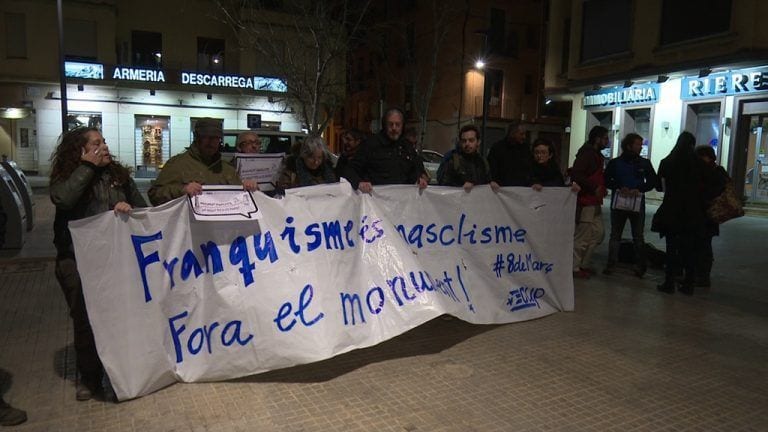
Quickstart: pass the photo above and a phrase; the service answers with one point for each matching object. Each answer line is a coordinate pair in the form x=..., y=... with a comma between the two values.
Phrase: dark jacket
x=683, y=209
x=343, y=163
x=630, y=171
x=511, y=163
x=587, y=172
x=382, y=161
x=461, y=168
x=293, y=173
x=712, y=185
x=548, y=174
x=88, y=191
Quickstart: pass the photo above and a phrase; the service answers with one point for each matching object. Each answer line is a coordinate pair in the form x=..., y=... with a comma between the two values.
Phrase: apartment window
x=496, y=33
x=513, y=42
x=15, y=35
x=410, y=39
x=80, y=39
x=681, y=20
x=495, y=79
x=147, y=49
x=210, y=54
x=606, y=28
x=532, y=37
x=565, y=52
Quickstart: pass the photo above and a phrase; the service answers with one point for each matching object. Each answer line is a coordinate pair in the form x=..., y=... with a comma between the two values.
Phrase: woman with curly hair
x=85, y=181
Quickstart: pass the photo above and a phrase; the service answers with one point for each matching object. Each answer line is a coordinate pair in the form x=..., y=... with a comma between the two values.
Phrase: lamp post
x=62, y=71
x=480, y=64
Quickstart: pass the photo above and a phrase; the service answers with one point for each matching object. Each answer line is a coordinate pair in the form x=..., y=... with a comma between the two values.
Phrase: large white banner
x=324, y=271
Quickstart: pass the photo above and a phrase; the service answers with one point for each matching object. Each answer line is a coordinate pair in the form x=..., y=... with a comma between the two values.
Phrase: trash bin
x=23, y=186
x=13, y=221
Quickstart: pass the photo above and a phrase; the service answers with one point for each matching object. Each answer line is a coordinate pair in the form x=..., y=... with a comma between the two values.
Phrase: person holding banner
x=310, y=167
x=511, y=159
x=350, y=139
x=248, y=142
x=201, y=164
x=387, y=158
x=629, y=177
x=546, y=172
x=85, y=181
x=466, y=167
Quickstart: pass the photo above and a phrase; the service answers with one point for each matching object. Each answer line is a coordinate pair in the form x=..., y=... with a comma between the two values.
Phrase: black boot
x=686, y=287
x=667, y=287
x=702, y=274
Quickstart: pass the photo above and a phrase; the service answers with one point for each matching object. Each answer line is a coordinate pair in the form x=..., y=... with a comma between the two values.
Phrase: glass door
x=756, y=178
x=637, y=121
x=604, y=119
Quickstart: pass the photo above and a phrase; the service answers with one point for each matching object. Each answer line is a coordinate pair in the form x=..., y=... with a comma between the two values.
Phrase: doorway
x=604, y=119
x=703, y=120
x=750, y=161
x=756, y=175
x=637, y=121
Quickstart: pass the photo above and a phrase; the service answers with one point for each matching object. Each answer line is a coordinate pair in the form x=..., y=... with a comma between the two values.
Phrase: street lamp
x=480, y=64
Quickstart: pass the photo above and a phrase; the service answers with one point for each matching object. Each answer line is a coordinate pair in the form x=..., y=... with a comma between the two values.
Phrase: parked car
x=271, y=141
x=432, y=161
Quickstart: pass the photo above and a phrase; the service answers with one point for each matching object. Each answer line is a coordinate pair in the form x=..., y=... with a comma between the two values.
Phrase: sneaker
x=10, y=416
x=589, y=270
x=639, y=272
x=581, y=274
x=665, y=287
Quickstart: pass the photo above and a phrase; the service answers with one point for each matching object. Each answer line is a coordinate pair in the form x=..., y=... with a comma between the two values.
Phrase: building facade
x=422, y=57
x=141, y=71
x=660, y=67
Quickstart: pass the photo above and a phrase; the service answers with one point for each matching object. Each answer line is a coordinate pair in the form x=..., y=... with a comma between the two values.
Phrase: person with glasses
x=200, y=164
x=248, y=142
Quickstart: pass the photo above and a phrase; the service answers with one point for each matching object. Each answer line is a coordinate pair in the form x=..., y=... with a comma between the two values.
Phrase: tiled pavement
x=628, y=359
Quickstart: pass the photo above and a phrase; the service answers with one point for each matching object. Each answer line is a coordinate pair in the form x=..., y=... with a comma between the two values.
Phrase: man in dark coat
x=466, y=167
x=386, y=158
x=511, y=159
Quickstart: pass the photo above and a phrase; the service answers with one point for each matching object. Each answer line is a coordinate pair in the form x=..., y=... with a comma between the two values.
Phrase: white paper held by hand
x=224, y=203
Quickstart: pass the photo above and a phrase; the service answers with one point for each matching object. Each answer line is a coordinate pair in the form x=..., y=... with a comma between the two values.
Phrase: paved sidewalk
x=628, y=359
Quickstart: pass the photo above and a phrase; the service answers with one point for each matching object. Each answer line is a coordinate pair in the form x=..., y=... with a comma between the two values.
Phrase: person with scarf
x=311, y=166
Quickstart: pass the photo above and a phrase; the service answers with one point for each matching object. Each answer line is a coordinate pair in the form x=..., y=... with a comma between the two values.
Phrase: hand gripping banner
x=324, y=271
